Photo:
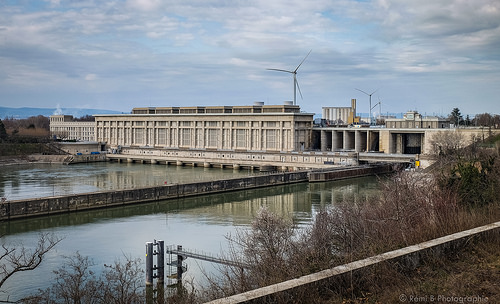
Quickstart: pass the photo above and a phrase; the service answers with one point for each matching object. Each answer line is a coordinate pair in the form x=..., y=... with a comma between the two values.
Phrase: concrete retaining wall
x=407, y=257
x=342, y=173
x=87, y=158
x=59, y=204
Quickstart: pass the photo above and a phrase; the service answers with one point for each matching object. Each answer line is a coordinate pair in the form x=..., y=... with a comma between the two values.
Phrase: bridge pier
x=337, y=140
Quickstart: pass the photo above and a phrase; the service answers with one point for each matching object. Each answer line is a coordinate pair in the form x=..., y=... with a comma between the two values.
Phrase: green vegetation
x=3, y=132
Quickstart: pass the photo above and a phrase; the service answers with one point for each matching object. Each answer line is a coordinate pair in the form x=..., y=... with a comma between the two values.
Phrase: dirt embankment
x=23, y=153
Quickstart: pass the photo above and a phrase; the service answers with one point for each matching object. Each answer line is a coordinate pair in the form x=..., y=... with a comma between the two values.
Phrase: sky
x=425, y=55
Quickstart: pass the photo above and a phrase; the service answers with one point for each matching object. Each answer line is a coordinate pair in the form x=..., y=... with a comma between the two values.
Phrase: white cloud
x=144, y=5
x=90, y=77
x=190, y=50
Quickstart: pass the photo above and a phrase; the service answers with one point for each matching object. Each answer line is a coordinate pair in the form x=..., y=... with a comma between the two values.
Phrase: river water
x=201, y=223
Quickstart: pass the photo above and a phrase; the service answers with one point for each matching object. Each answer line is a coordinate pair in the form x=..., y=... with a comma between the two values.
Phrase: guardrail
x=408, y=255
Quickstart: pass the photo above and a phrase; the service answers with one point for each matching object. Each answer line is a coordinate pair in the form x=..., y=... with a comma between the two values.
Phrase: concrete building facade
x=239, y=128
x=65, y=127
x=340, y=115
x=413, y=119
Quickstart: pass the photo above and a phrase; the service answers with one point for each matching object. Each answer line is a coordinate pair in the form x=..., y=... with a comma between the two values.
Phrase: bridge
x=183, y=254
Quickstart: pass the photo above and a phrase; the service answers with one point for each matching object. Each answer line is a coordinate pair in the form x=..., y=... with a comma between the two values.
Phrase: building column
x=391, y=143
x=323, y=140
x=368, y=140
x=345, y=143
x=335, y=140
x=357, y=141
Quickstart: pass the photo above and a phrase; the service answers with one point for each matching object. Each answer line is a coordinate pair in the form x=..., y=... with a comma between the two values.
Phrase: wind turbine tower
x=370, y=95
x=295, y=82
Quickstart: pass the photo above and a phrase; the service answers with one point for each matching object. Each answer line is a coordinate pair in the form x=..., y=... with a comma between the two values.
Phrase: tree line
x=479, y=120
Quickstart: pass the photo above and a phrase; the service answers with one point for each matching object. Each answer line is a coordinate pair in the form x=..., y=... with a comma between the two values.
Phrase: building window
x=212, y=138
x=199, y=138
x=241, y=139
x=186, y=137
x=271, y=139
x=139, y=136
x=162, y=137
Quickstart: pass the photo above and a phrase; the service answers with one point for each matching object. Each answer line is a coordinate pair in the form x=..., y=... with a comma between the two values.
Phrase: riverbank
x=34, y=158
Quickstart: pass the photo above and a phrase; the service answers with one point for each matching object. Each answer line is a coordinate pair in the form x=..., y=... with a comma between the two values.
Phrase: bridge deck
x=202, y=256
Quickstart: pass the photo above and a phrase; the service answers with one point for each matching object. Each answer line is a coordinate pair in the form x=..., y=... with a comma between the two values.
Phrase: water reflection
x=39, y=180
x=196, y=223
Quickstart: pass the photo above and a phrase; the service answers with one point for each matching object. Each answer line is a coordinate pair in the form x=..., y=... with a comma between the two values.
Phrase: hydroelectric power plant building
x=256, y=136
x=239, y=128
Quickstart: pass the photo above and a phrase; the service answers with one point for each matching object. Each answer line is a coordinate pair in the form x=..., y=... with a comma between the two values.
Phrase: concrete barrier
x=342, y=173
x=410, y=255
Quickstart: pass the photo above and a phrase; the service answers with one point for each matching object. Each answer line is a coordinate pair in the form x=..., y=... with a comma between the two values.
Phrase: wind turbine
x=370, y=95
x=295, y=82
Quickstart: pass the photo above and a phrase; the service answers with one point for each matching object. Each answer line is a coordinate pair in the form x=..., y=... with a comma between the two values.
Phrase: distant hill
x=28, y=112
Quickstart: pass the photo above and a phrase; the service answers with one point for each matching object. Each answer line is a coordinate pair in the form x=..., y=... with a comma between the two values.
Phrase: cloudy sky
x=425, y=55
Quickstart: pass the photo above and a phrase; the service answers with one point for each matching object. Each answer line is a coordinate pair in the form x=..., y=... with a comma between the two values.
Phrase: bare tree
x=14, y=259
x=123, y=282
x=78, y=283
x=446, y=143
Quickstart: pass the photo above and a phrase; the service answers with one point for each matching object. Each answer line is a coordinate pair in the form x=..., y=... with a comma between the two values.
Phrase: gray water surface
x=200, y=223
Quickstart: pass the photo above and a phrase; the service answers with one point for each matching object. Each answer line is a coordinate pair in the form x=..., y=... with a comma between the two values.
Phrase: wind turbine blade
x=281, y=71
x=375, y=91
x=302, y=61
x=362, y=91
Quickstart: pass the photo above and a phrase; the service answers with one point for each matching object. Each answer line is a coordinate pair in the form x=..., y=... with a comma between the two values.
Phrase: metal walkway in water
x=178, y=250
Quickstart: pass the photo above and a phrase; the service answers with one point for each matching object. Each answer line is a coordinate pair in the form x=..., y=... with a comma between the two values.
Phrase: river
x=105, y=235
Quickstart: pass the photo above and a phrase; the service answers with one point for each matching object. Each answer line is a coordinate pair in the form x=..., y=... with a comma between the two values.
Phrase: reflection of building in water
x=286, y=201
x=295, y=201
x=333, y=193
x=129, y=175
